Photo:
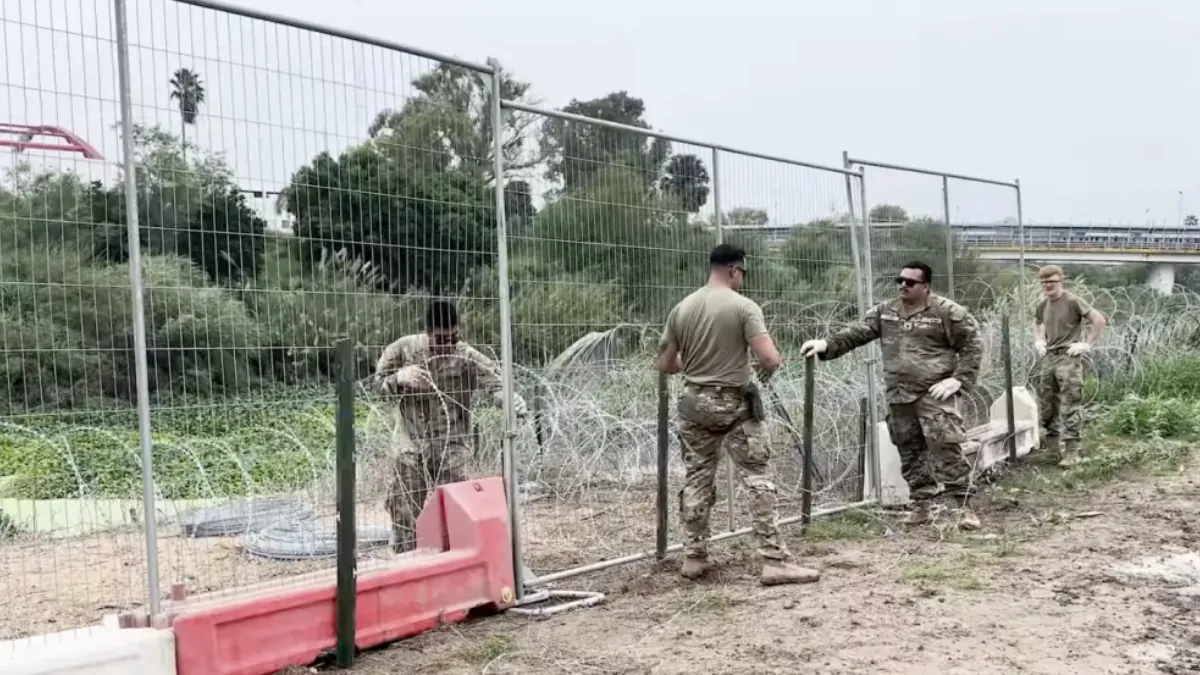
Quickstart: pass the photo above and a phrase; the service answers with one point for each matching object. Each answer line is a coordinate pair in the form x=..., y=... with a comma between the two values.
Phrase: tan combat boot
x=779, y=572
x=967, y=520
x=921, y=513
x=1070, y=455
x=694, y=568
x=1051, y=448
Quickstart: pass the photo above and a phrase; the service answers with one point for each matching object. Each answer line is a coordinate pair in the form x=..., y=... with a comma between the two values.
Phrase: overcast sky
x=1091, y=103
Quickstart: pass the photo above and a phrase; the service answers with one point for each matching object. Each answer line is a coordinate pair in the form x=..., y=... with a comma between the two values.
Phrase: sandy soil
x=1093, y=583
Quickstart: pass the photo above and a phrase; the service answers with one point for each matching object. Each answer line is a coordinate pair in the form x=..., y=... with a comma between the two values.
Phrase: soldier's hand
x=1078, y=349
x=945, y=389
x=519, y=407
x=1040, y=347
x=813, y=347
x=409, y=379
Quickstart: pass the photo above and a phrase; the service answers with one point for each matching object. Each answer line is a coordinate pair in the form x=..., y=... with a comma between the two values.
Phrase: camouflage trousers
x=930, y=437
x=710, y=417
x=1060, y=395
x=417, y=468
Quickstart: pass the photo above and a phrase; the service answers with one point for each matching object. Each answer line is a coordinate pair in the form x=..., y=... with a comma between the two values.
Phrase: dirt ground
x=1096, y=581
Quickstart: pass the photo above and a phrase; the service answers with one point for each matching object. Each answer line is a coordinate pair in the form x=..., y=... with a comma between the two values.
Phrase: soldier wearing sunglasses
x=932, y=350
x=432, y=376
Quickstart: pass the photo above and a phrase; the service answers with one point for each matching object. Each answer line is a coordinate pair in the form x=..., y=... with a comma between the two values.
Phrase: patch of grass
x=1154, y=416
x=217, y=451
x=492, y=647
x=8, y=527
x=1167, y=376
x=1105, y=460
x=853, y=525
x=955, y=571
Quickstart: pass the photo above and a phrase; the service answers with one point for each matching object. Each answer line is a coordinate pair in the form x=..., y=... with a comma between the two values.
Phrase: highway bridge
x=1165, y=247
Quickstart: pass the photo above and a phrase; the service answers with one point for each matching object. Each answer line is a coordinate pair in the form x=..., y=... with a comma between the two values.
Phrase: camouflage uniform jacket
x=456, y=375
x=921, y=347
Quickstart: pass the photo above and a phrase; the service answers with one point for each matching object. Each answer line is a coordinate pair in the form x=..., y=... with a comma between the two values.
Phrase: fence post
x=347, y=553
x=806, y=479
x=730, y=481
x=869, y=282
x=661, y=504
x=139, y=318
x=1010, y=415
x=949, y=237
x=1021, y=244
x=855, y=253
x=506, y=350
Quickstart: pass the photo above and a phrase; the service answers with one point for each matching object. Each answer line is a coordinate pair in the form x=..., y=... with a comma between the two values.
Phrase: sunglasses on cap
x=904, y=281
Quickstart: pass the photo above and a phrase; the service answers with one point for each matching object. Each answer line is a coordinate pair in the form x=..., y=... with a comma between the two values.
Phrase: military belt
x=717, y=389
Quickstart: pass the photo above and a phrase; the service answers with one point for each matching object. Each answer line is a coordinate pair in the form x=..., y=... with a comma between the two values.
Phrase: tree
x=452, y=115
x=888, y=213
x=422, y=229
x=575, y=152
x=185, y=207
x=188, y=91
x=685, y=182
x=747, y=216
x=519, y=210
x=1191, y=221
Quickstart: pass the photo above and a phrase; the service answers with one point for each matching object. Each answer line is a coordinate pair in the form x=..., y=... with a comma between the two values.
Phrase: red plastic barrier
x=467, y=522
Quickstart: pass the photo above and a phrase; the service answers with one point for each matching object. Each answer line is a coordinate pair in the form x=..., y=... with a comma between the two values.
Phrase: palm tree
x=188, y=90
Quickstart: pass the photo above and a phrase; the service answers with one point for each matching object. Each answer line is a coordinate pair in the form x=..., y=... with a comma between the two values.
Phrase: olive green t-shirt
x=1062, y=318
x=712, y=328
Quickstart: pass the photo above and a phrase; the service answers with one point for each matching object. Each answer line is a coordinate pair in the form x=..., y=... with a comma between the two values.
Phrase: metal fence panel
x=799, y=227
x=71, y=542
x=614, y=229
x=907, y=214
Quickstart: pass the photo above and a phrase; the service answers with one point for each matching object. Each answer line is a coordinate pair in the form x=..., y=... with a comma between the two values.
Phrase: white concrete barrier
x=986, y=449
x=96, y=650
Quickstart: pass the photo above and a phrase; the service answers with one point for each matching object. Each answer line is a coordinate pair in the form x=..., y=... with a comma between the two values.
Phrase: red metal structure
x=25, y=134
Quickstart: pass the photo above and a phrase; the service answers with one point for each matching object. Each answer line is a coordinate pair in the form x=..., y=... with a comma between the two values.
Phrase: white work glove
x=945, y=389
x=813, y=347
x=1078, y=349
x=1040, y=347
x=408, y=380
x=518, y=405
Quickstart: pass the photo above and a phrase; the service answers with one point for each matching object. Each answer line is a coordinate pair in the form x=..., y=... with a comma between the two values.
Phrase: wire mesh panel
x=902, y=231
x=614, y=229
x=293, y=188
x=908, y=222
x=71, y=544
x=797, y=224
x=988, y=242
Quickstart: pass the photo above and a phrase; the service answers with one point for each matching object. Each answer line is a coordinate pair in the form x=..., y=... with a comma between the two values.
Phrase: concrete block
x=96, y=650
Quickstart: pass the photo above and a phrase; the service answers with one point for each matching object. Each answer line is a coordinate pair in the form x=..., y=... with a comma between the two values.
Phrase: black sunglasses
x=445, y=339
x=908, y=282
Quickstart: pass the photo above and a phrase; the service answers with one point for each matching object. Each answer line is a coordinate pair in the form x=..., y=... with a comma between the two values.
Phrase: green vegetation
x=240, y=323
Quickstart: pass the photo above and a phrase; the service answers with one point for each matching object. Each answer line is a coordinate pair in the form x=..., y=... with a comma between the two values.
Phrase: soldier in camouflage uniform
x=932, y=351
x=708, y=337
x=432, y=376
x=1057, y=337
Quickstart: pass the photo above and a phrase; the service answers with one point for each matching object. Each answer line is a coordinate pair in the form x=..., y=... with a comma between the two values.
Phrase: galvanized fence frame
x=854, y=182
x=945, y=176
